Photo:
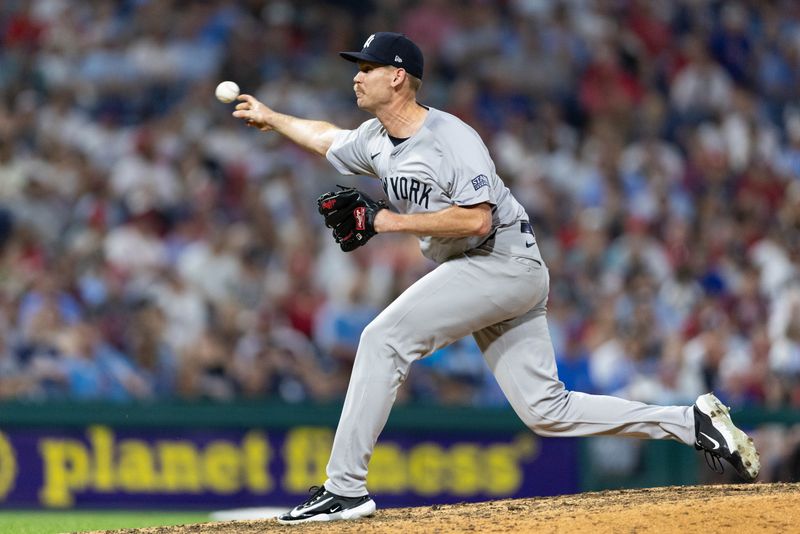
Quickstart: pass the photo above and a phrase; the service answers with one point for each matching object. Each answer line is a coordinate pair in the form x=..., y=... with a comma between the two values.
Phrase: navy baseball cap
x=389, y=48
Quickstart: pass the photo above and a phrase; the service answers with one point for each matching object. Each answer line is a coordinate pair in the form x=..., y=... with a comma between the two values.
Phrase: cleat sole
x=742, y=443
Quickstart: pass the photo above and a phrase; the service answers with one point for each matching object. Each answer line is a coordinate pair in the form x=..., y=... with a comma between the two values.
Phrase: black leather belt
x=525, y=227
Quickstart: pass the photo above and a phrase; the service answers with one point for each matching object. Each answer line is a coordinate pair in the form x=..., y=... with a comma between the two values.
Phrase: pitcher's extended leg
x=520, y=354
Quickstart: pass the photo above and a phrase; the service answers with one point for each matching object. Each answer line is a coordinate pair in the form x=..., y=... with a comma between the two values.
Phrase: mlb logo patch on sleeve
x=480, y=181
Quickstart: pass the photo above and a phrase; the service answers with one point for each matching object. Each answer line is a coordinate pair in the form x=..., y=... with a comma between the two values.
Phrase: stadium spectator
x=656, y=145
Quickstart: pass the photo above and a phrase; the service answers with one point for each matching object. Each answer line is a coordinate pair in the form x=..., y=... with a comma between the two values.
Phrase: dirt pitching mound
x=739, y=508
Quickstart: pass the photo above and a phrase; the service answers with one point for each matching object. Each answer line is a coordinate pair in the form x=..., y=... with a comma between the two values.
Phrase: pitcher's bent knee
x=544, y=418
x=382, y=338
x=375, y=334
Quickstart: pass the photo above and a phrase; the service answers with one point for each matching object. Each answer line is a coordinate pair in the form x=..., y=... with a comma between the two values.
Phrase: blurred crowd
x=152, y=246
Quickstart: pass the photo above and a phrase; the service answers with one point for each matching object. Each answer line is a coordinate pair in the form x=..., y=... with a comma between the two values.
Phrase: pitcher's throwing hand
x=253, y=112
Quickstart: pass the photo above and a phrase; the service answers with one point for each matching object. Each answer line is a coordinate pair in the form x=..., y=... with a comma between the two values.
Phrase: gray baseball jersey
x=443, y=164
x=494, y=288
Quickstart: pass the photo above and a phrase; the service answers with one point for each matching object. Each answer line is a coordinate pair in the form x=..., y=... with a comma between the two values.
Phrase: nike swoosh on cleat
x=373, y=156
x=529, y=245
x=300, y=511
x=712, y=440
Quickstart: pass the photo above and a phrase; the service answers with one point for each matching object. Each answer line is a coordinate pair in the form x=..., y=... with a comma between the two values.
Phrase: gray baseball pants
x=498, y=293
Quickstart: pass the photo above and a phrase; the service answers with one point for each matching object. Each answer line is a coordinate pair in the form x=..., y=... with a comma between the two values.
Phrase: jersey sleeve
x=349, y=151
x=471, y=171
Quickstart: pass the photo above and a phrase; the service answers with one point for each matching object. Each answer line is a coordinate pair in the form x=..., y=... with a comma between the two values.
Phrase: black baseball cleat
x=326, y=506
x=717, y=436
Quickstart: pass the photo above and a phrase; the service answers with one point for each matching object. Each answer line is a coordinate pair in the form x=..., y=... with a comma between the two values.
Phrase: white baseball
x=227, y=92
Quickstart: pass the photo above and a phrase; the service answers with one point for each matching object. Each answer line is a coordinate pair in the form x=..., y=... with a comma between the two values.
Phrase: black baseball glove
x=351, y=214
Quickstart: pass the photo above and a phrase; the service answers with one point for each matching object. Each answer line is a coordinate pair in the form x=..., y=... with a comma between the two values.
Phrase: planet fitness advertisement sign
x=100, y=466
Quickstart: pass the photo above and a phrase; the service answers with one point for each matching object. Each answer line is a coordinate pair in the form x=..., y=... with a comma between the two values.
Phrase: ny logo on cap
x=368, y=41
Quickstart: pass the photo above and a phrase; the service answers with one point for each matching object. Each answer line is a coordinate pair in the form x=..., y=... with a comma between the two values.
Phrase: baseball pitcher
x=491, y=282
